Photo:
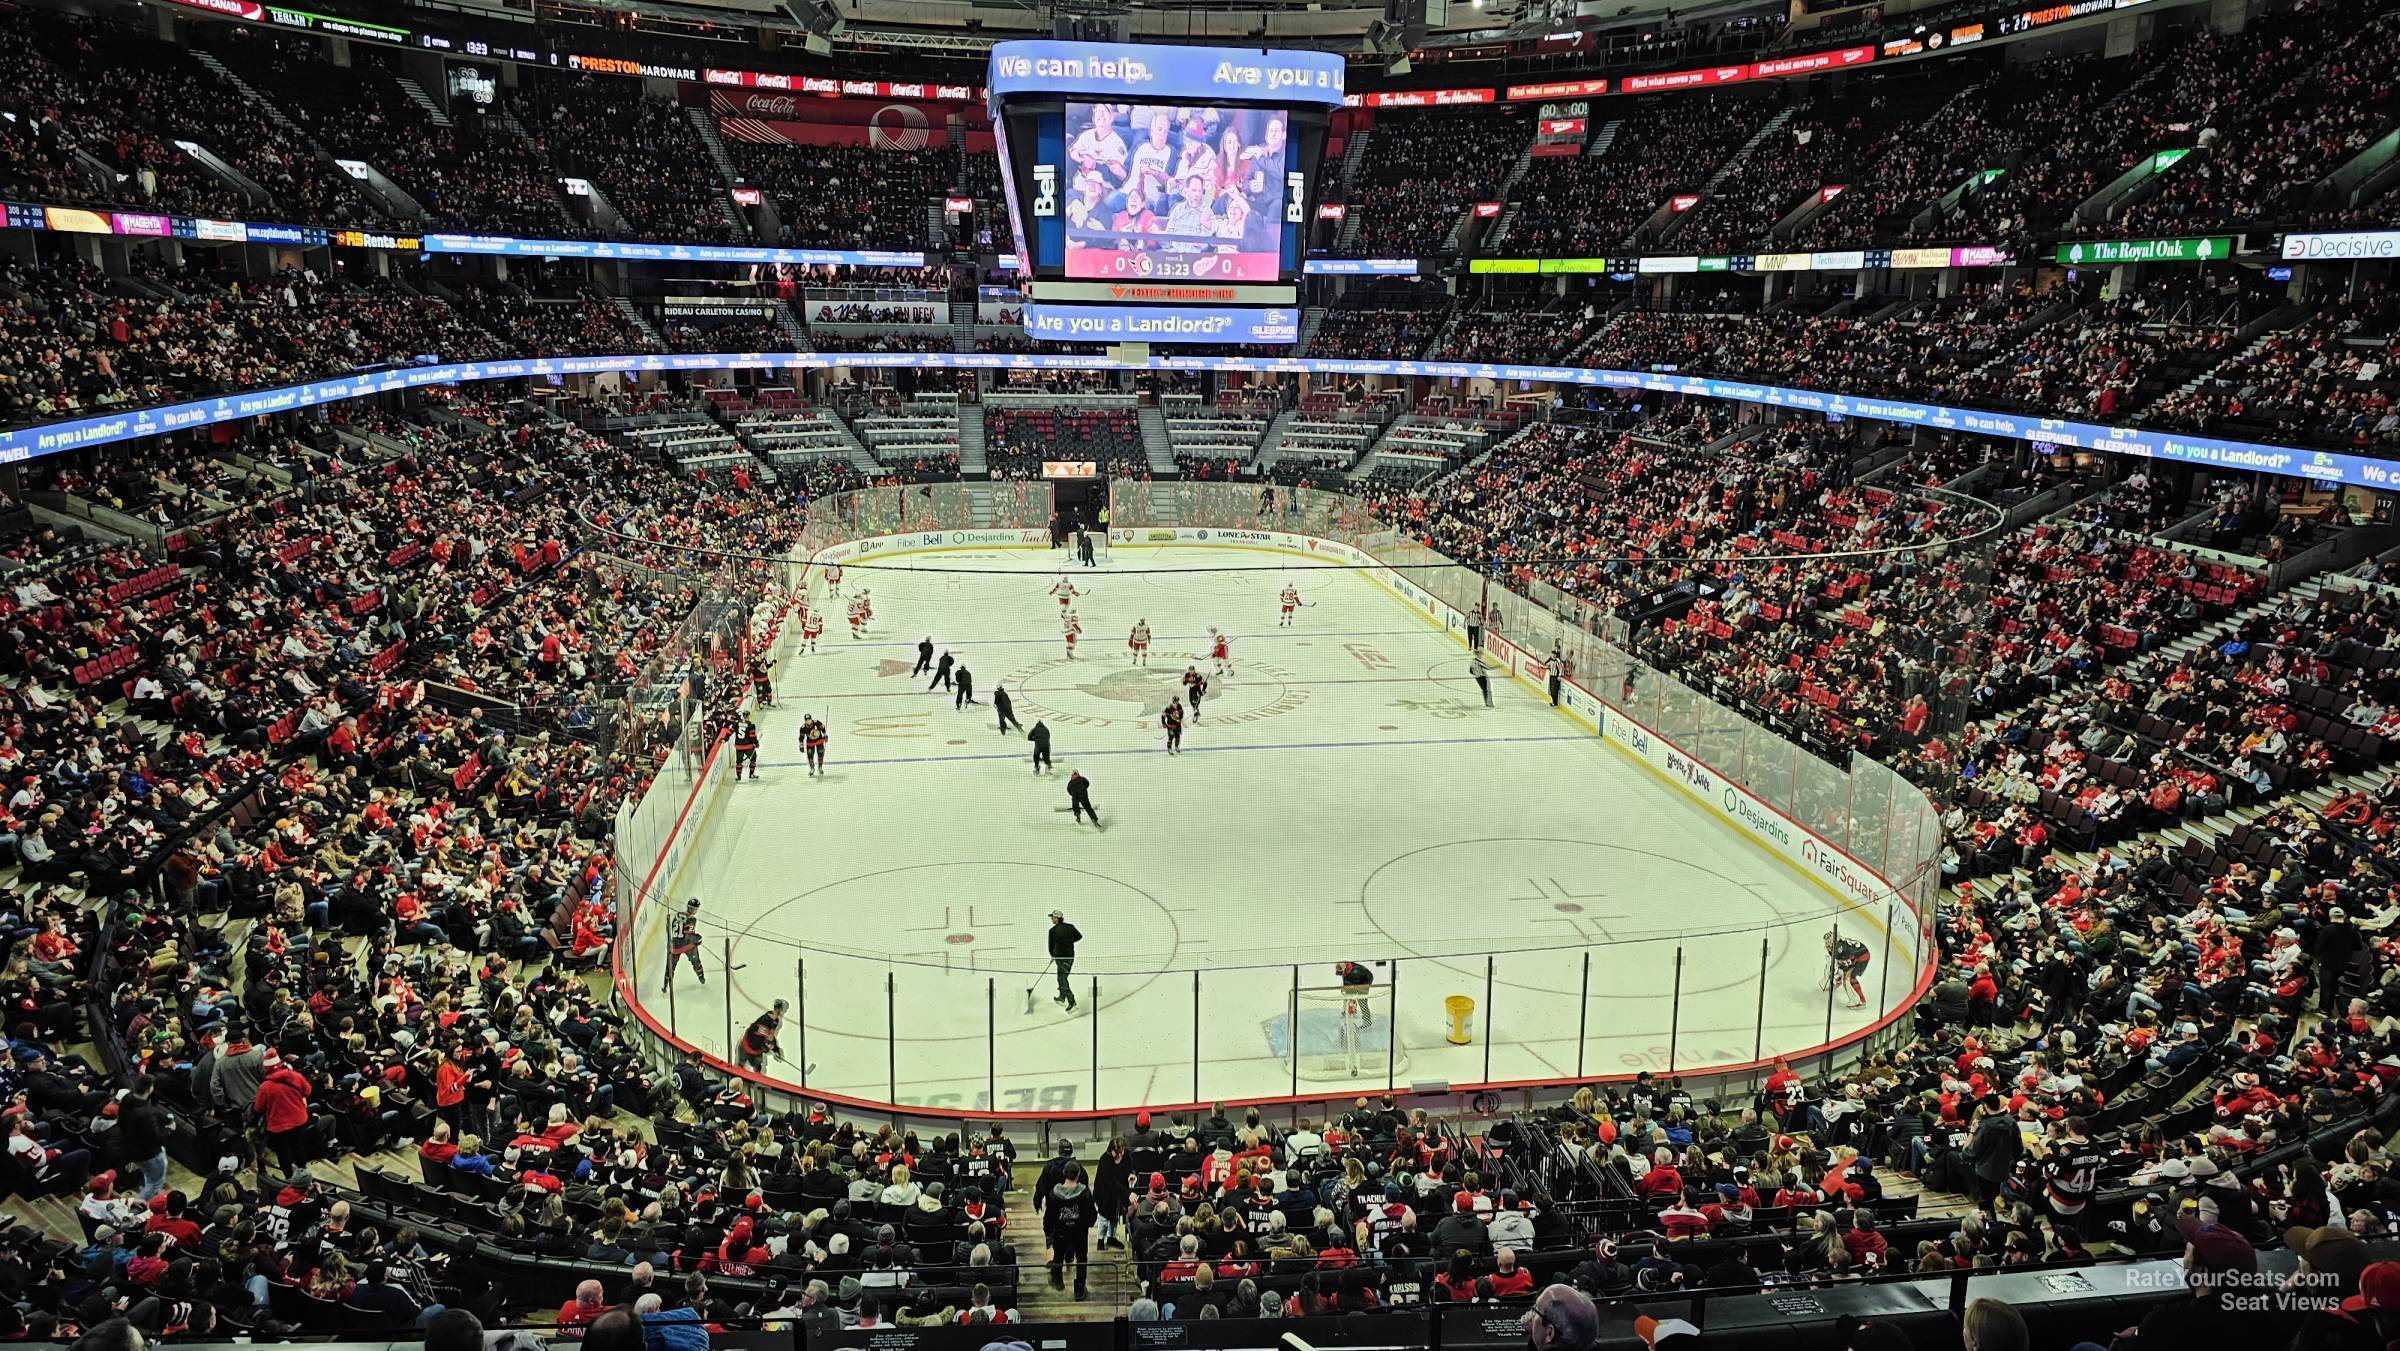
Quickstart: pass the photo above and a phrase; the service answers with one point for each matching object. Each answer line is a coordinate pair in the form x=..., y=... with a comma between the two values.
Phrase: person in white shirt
x=903, y=1190
x=1303, y=1142
x=1099, y=147
x=1148, y=185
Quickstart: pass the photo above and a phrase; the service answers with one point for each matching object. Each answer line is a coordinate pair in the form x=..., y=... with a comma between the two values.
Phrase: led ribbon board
x=26, y=443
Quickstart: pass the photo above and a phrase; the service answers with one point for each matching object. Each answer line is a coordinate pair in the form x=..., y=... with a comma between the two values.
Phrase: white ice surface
x=1344, y=795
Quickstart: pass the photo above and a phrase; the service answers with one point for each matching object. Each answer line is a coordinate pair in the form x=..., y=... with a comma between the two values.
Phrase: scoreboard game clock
x=1161, y=193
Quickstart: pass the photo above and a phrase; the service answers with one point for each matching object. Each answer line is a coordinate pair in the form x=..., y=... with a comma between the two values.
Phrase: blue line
x=1277, y=632
x=1027, y=754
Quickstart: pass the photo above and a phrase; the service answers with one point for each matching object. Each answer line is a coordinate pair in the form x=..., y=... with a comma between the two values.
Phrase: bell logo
x=2075, y=254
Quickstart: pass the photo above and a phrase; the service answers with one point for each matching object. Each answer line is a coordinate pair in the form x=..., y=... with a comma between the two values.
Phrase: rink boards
x=1849, y=881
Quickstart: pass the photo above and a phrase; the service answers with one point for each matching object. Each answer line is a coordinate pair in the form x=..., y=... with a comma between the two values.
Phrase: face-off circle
x=930, y=927
x=1549, y=899
x=1101, y=691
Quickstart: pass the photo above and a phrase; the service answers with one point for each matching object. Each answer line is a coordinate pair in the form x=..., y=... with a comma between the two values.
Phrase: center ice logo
x=1145, y=685
x=1082, y=693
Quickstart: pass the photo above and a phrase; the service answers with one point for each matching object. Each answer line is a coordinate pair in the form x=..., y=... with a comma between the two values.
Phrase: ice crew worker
x=1040, y=737
x=1063, y=938
x=941, y=673
x=1079, y=796
x=1358, y=983
x=1007, y=711
x=924, y=655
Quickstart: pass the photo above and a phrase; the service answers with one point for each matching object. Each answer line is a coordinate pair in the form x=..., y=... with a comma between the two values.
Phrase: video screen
x=1157, y=191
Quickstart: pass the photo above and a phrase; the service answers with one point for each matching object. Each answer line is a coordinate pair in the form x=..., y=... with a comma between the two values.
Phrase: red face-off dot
x=1568, y=908
x=959, y=939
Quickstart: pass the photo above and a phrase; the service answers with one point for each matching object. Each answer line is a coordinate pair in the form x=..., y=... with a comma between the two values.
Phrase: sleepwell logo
x=1693, y=773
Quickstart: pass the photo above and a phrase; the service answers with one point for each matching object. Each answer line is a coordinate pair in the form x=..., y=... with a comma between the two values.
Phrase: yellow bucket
x=1462, y=1019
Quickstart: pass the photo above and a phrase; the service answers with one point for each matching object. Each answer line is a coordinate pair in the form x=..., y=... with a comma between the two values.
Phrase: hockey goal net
x=1336, y=1032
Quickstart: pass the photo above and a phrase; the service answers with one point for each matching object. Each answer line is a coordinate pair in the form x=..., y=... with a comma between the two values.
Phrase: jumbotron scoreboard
x=1161, y=193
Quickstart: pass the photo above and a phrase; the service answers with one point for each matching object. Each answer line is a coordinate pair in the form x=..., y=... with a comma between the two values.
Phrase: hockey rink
x=1343, y=795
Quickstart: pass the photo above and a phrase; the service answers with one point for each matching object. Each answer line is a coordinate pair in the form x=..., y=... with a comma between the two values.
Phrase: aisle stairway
x=705, y=126
x=1109, y=1279
x=792, y=328
x=249, y=91
x=1156, y=443
x=971, y=462
x=434, y=111
x=640, y=321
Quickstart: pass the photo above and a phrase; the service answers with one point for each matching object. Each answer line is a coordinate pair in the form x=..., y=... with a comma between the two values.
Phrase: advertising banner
x=715, y=307
x=2248, y=456
x=1683, y=79
x=1361, y=267
x=2097, y=252
x=1114, y=69
x=1161, y=323
x=830, y=87
x=791, y=107
x=509, y=246
x=903, y=130
x=1421, y=98
x=2342, y=246
x=1839, y=59
x=1556, y=89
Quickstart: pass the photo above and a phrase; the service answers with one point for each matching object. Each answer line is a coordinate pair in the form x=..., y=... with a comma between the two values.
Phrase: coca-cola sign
x=762, y=105
x=820, y=84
